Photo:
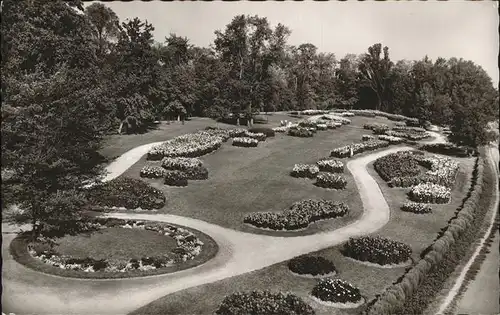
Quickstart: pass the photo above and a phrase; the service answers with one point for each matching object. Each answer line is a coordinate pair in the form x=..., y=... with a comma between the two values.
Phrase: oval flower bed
x=109, y=248
x=300, y=132
x=337, y=293
x=193, y=168
x=332, y=181
x=377, y=250
x=304, y=170
x=358, y=148
x=176, y=178
x=263, y=303
x=312, y=266
x=416, y=207
x=430, y=193
x=333, y=166
x=189, y=145
x=245, y=142
x=152, y=171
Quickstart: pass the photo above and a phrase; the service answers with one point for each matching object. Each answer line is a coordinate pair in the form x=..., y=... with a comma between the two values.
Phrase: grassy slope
x=244, y=180
x=418, y=231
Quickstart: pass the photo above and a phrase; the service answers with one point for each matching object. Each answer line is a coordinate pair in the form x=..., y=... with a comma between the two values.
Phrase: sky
x=411, y=29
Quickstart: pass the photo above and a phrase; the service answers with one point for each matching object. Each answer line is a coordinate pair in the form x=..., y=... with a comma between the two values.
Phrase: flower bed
x=321, y=126
x=332, y=166
x=263, y=303
x=372, y=126
x=188, y=247
x=329, y=180
x=280, y=129
x=312, y=265
x=336, y=291
x=416, y=207
x=305, y=170
x=395, y=165
x=193, y=168
x=408, y=134
x=358, y=148
x=256, y=136
x=367, y=138
x=333, y=125
x=298, y=216
x=430, y=193
x=378, y=250
x=300, y=132
x=152, y=171
x=245, y=142
x=126, y=192
x=267, y=131
x=176, y=178
x=190, y=145
x=446, y=149
x=391, y=139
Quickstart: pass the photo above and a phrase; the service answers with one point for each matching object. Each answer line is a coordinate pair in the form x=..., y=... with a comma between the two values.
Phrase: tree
x=105, y=25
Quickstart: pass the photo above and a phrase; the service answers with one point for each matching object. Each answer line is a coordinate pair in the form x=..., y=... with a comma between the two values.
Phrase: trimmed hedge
x=263, y=303
x=413, y=291
x=311, y=265
x=377, y=250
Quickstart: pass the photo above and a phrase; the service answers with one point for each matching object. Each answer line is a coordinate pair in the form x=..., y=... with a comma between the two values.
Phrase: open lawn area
x=245, y=180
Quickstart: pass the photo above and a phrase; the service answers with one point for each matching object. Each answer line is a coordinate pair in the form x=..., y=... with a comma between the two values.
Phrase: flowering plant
x=336, y=291
x=367, y=137
x=305, y=170
x=300, y=132
x=358, y=148
x=190, y=145
x=245, y=142
x=329, y=165
x=152, y=171
x=416, y=207
x=378, y=250
x=430, y=193
x=311, y=265
x=259, y=136
x=280, y=129
x=329, y=180
x=176, y=178
x=391, y=139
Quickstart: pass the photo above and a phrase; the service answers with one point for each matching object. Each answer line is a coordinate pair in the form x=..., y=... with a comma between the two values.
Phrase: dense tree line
x=71, y=75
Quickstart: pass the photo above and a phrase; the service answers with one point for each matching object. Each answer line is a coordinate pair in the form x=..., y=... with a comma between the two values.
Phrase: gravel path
x=26, y=291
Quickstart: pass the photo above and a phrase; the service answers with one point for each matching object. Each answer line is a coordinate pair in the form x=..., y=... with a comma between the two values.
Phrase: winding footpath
x=26, y=291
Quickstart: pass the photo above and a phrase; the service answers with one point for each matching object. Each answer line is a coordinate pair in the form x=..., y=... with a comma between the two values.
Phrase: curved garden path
x=26, y=291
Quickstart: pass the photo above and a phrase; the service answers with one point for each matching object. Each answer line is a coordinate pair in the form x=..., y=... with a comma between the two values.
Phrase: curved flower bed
x=337, y=291
x=408, y=134
x=391, y=139
x=378, y=250
x=245, y=142
x=416, y=207
x=255, y=135
x=312, y=265
x=193, y=168
x=430, y=193
x=300, y=132
x=399, y=164
x=176, y=178
x=329, y=180
x=304, y=170
x=367, y=137
x=333, y=166
x=371, y=126
x=263, y=303
x=298, y=216
x=333, y=125
x=358, y=148
x=126, y=192
x=280, y=129
x=152, y=171
x=188, y=247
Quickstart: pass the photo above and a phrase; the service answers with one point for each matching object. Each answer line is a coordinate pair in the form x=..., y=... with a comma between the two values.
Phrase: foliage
x=329, y=180
x=245, y=142
x=312, y=265
x=176, y=178
x=332, y=166
x=357, y=148
x=416, y=207
x=399, y=164
x=378, y=250
x=447, y=149
x=305, y=170
x=300, y=132
x=430, y=193
x=336, y=291
x=267, y=131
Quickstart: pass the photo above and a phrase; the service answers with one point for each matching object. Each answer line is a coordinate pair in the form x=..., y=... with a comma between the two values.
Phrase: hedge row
x=418, y=286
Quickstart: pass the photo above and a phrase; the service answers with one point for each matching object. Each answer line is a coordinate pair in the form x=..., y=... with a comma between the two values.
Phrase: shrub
x=126, y=192
x=280, y=129
x=336, y=291
x=367, y=137
x=269, y=132
x=311, y=265
x=358, y=148
x=196, y=173
x=333, y=166
x=391, y=139
x=416, y=207
x=152, y=171
x=189, y=145
x=256, y=136
x=180, y=163
x=372, y=126
x=176, y=178
x=378, y=250
x=430, y=193
x=263, y=303
x=329, y=180
x=300, y=132
x=245, y=142
x=399, y=164
x=446, y=149
x=304, y=170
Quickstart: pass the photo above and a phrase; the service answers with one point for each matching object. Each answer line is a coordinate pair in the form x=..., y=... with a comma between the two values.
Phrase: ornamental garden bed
x=312, y=266
x=305, y=170
x=116, y=248
x=377, y=250
x=337, y=293
x=245, y=142
x=331, y=181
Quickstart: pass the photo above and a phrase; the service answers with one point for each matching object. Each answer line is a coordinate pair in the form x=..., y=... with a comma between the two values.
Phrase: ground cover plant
x=312, y=265
x=263, y=303
x=447, y=149
x=298, y=216
x=377, y=250
x=300, y=132
x=329, y=180
x=305, y=170
x=336, y=291
x=269, y=132
x=193, y=168
x=126, y=192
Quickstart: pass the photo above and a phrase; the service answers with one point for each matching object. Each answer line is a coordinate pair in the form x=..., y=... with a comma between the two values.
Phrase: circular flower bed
x=329, y=180
x=430, y=193
x=126, y=192
x=263, y=303
x=416, y=207
x=377, y=250
x=337, y=291
x=304, y=170
x=176, y=178
x=333, y=166
x=312, y=265
x=245, y=142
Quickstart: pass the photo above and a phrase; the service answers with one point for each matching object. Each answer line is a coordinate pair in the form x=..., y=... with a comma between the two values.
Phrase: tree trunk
x=178, y=117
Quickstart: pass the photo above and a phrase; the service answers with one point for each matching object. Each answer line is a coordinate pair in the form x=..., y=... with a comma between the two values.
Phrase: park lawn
x=245, y=180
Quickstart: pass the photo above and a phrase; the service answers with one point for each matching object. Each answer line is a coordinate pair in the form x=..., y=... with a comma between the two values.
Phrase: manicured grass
x=244, y=180
x=117, y=243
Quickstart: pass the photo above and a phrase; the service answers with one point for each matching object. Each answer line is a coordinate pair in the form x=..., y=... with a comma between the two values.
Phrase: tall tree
x=105, y=25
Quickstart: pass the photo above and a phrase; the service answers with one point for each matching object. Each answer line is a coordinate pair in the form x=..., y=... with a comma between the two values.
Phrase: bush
x=257, y=136
x=305, y=170
x=311, y=265
x=447, y=149
x=298, y=216
x=176, y=178
x=152, y=171
x=189, y=145
x=358, y=148
x=263, y=303
x=126, y=192
x=399, y=164
x=245, y=142
x=300, y=132
x=269, y=132
x=378, y=250
x=329, y=180
x=430, y=193
x=193, y=168
x=416, y=207
x=391, y=139
x=332, y=166
x=367, y=137
x=336, y=291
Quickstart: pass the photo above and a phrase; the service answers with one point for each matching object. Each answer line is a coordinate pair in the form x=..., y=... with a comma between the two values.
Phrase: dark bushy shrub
x=263, y=303
x=176, y=178
x=399, y=164
x=311, y=265
x=126, y=192
x=336, y=291
x=329, y=180
x=269, y=132
x=197, y=173
x=447, y=149
x=378, y=250
x=300, y=132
